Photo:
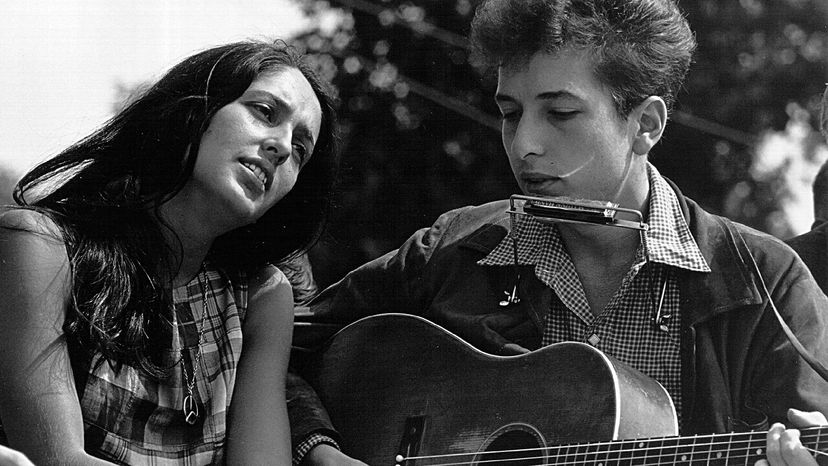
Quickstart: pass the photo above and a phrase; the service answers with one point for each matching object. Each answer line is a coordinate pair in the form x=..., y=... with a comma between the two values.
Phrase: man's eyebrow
x=557, y=95
x=550, y=95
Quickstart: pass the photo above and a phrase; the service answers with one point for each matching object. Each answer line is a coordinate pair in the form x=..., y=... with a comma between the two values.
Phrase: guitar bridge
x=411, y=440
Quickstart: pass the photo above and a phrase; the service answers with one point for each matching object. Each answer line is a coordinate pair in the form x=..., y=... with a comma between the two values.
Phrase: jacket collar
x=730, y=284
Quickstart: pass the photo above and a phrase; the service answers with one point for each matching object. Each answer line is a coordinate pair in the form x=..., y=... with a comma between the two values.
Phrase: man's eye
x=562, y=114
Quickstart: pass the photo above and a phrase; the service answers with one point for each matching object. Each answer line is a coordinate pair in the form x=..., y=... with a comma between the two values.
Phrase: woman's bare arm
x=258, y=431
x=39, y=405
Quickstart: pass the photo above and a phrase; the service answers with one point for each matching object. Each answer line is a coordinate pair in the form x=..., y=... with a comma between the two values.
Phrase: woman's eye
x=265, y=110
x=301, y=151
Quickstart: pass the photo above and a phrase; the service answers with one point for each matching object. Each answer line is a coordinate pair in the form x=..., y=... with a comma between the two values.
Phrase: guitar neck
x=729, y=448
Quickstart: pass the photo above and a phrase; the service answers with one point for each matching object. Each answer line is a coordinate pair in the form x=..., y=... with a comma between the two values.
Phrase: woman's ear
x=651, y=116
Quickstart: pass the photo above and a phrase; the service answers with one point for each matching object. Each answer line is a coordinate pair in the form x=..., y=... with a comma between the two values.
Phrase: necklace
x=190, y=406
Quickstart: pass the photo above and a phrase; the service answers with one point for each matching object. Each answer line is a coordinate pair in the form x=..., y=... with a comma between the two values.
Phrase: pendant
x=190, y=410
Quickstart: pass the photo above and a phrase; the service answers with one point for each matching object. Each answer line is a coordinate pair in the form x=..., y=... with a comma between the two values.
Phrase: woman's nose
x=277, y=148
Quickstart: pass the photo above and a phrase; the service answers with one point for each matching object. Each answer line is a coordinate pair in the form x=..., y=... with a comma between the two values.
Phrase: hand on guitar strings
x=784, y=446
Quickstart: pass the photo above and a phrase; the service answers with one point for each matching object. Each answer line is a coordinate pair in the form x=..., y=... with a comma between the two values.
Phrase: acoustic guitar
x=403, y=390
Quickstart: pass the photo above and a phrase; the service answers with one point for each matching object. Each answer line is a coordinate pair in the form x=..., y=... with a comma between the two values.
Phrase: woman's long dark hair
x=105, y=190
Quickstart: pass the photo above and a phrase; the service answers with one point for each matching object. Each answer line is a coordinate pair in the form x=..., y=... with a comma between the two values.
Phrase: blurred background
x=421, y=133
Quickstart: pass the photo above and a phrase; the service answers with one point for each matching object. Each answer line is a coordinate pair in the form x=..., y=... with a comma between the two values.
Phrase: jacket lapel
x=535, y=296
x=730, y=283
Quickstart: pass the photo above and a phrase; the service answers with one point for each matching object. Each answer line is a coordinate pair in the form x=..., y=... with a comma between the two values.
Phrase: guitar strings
x=733, y=443
x=610, y=457
x=634, y=453
x=816, y=452
x=657, y=461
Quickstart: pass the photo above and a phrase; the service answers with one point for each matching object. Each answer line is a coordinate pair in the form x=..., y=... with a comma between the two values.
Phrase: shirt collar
x=668, y=237
x=669, y=240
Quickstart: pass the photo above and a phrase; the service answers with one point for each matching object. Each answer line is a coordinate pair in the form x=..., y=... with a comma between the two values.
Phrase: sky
x=61, y=61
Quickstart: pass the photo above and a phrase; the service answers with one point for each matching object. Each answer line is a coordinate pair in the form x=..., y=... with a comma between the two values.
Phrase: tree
x=760, y=70
x=421, y=139
x=419, y=132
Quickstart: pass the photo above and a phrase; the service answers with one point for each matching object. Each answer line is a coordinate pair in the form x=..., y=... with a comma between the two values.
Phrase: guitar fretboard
x=731, y=448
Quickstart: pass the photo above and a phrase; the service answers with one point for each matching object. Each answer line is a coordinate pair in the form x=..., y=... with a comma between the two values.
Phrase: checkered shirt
x=309, y=444
x=132, y=419
x=625, y=329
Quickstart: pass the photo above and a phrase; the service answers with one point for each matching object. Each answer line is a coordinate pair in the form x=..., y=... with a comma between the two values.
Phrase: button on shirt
x=626, y=328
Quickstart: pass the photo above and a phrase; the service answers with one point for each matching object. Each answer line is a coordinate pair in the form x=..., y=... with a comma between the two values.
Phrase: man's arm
x=309, y=422
x=782, y=379
x=391, y=283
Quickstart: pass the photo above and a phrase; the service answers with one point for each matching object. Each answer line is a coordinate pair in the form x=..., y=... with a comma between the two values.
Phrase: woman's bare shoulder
x=268, y=275
x=29, y=221
x=270, y=294
x=31, y=237
x=35, y=280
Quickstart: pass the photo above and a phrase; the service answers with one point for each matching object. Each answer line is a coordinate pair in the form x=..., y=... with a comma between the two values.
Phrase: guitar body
x=397, y=384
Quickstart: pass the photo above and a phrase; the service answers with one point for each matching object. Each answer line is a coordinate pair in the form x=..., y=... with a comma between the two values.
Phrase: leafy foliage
x=760, y=69
x=421, y=138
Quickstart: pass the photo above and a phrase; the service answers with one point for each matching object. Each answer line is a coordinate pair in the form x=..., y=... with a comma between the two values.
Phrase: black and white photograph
x=414, y=232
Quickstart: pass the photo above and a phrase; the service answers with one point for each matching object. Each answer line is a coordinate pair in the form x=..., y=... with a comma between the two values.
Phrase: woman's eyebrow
x=301, y=129
x=260, y=93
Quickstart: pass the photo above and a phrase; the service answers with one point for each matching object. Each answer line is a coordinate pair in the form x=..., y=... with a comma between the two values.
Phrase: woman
x=141, y=259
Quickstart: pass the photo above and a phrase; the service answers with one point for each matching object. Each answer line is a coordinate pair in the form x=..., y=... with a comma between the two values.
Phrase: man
x=584, y=88
x=812, y=246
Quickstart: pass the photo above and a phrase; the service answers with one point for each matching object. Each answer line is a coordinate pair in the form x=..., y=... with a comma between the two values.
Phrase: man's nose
x=527, y=139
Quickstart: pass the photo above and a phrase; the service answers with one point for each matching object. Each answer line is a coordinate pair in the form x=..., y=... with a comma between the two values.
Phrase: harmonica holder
x=567, y=210
x=550, y=210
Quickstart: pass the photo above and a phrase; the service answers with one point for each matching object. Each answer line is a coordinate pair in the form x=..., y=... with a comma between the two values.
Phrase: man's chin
x=540, y=192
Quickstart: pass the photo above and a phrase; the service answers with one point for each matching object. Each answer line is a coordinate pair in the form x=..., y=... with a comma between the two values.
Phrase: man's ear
x=651, y=116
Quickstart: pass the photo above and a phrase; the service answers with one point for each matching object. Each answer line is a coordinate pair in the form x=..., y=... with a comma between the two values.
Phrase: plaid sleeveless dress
x=132, y=419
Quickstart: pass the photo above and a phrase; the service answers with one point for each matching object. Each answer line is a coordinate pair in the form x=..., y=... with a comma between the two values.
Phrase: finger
x=806, y=419
x=513, y=349
x=761, y=463
x=772, y=444
x=500, y=320
x=792, y=450
x=494, y=341
x=9, y=457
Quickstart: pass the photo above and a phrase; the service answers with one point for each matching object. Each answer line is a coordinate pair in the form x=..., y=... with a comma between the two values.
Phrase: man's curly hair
x=640, y=47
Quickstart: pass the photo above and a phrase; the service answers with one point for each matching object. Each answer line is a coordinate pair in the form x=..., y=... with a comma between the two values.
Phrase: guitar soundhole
x=513, y=445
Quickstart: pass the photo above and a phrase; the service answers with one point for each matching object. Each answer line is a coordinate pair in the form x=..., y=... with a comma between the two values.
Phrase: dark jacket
x=812, y=247
x=737, y=364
